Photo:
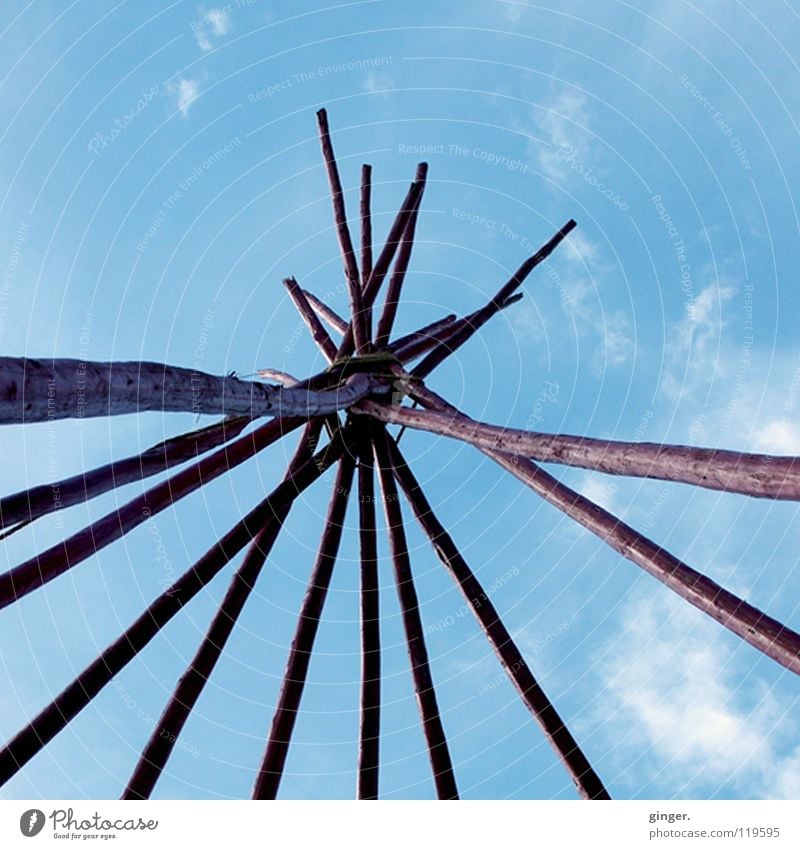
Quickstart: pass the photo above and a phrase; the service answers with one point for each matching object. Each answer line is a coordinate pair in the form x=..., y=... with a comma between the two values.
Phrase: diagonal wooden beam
x=438, y=750
x=191, y=684
x=756, y=475
x=381, y=267
x=498, y=302
x=42, y=568
x=312, y=322
x=764, y=633
x=386, y=320
x=360, y=332
x=370, y=701
x=558, y=735
x=40, y=500
x=57, y=715
x=333, y=319
x=271, y=770
x=366, y=223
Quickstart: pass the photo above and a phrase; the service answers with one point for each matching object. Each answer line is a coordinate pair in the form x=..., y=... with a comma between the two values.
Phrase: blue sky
x=160, y=174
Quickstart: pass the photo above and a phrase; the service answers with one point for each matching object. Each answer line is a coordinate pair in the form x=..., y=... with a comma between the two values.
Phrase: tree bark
x=757, y=475
x=44, y=390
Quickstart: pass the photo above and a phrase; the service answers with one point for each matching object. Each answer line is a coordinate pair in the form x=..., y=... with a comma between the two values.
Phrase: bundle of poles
x=369, y=378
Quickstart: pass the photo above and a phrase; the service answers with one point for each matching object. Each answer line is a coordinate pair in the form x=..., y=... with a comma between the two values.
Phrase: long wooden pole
x=370, y=701
x=42, y=568
x=558, y=735
x=47, y=498
x=756, y=475
x=191, y=684
x=498, y=302
x=55, y=717
x=438, y=750
x=271, y=770
x=386, y=321
x=360, y=333
x=764, y=633
x=34, y=390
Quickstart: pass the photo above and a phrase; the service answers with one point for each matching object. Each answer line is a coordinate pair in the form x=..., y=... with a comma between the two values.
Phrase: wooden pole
x=360, y=332
x=370, y=702
x=46, y=390
x=386, y=320
x=57, y=715
x=190, y=686
x=764, y=633
x=438, y=751
x=280, y=735
x=47, y=498
x=382, y=264
x=332, y=318
x=312, y=322
x=498, y=302
x=366, y=223
x=558, y=735
x=42, y=568
x=756, y=475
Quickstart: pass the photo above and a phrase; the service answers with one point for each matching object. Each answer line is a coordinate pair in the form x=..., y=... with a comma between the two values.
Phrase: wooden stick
x=360, y=334
x=479, y=318
x=386, y=320
x=756, y=475
x=312, y=322
x=46, y=390
x=420, y=341
x=42, y=568
x=190, y=686
x=558, y=735
x=764, y=633
x=417, y=652
x=280, y=735
x=333, y=319
x=370, y=725
x=47, y=498
x=366, y=223
x=381, y=267
x=55, y=717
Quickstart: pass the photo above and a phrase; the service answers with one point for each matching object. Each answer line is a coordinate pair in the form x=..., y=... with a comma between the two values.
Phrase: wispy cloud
x=672, y=696
x=563, y=121
x=210, y=26
x=694, y=344
x=186, y=92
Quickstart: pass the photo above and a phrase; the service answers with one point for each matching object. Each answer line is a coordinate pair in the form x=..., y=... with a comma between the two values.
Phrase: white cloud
x=562, y=123
x=777, y=436
x=694, y=344
x=672, y=695
x=212, y=24
x=617, y=346
x=599, y=489
x=186, y=92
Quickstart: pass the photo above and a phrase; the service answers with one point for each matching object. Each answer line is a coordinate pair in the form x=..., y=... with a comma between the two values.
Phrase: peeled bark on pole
x=756, y=475
x=44, y=390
